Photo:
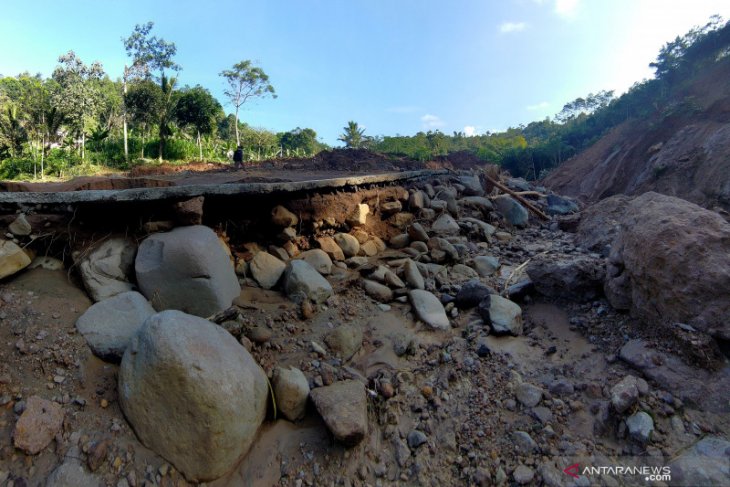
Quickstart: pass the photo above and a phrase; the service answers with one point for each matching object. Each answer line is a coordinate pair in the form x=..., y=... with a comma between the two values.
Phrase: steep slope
x=682, y=150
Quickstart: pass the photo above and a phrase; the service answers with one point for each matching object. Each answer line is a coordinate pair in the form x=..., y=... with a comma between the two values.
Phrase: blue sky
x=394, y=66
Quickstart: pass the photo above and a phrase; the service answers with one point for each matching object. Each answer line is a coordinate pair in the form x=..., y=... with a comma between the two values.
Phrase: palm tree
x=12, y=131
x=353, y=137
x=51, y=121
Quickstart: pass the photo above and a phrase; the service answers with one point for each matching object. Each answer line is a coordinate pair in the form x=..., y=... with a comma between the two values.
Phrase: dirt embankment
x=683, y=151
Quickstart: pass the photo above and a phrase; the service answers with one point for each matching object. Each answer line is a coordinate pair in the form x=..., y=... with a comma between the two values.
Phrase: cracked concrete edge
x=191, y=191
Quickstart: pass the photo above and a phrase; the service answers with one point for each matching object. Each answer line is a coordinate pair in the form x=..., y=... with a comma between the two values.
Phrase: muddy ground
x=456, y=387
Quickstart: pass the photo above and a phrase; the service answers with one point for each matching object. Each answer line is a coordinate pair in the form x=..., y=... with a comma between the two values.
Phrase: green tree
x=79, y=95
x=198, y=109
x=148, y=54
x=353, y=136
x=299, y=139
x=143, y=101
x=12, y=130
x=245, y=82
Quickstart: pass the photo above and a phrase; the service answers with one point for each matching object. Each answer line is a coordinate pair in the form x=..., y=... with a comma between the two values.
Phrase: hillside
x=681, y=150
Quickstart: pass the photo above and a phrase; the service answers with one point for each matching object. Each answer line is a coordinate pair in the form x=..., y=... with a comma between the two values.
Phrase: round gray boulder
x=186, y=269
x=192, y=393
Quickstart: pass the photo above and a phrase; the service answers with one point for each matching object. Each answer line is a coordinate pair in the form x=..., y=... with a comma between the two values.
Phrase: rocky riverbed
x=434, y=334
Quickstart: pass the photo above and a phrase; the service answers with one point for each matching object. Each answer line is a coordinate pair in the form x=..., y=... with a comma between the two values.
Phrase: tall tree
x=198, y=109
x=148, y=54
x=353, y=136
x=79, y=95
x=12, y=130
x=143, y=102
x=245, y=82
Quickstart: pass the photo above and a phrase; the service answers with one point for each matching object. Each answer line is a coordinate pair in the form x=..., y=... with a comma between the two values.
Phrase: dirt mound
x=156, y=169
x=683, y=151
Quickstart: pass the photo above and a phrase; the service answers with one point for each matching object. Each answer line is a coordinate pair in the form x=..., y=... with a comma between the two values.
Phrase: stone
x=349, y=244
x=417, y=233
x=704, y=463
x=471, y=294
x=12, y=258
x=187, y=269
x=343, y=406
x=559, y=205
x=523, y=475
x=479, y=203
x=445, y=225
x=442, y=250
x=288, y=234
x=291, y=390
x=282, y=217
x=359, y=216
x=20, y=226
x=279, y=253
x=625, y=394
x=417, y=201
x=503, y=316
x=486, y=265
x=377, y=291
x=524, y=442
x=518, y=184
x=179, y=367
x=600, y=223
x=345, y=340
x=356, y=261
x=484, y=229
x=189, y=212
x=107, y=268
x=109, y=325
x=528, y=395
x=72, y=474
x=573, y=277
x=461, y=271
x=302, y=281
x=266, y=269
x=40, y=422
x=416, y=438
x=660, y=239
x=369, y=248
x=640, y=426
x=413, y=275
x=472, y=185
x=318, y=259
x=512, y=211
x=388, y=208
x=429, y=309
x=329, y=245
x=401, y=220
x=399, y=241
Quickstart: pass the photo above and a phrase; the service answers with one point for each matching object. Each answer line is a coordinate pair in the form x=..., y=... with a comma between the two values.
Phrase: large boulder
x=511, y=210
x=302, y=281
x=186, y=269
x=573, y=277
x=12, y=258
x=107, y=268
x=670, y=263
x=318, y=259
x=192, y=393
x=599, y=223
x=109, y=325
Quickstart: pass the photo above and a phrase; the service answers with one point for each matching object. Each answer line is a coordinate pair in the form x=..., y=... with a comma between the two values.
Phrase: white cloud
x=538, y=106
x=508, y=27
x=568, y=9
x=431, y=122
x=470, y=130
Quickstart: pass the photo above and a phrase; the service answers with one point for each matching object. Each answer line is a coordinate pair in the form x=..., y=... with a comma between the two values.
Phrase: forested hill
x=679, y=142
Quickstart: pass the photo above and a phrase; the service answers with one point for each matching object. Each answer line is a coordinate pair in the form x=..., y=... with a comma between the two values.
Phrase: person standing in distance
x=238, y=158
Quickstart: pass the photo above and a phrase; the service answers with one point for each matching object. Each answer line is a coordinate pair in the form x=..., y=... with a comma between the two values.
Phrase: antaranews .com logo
x=648, y=473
